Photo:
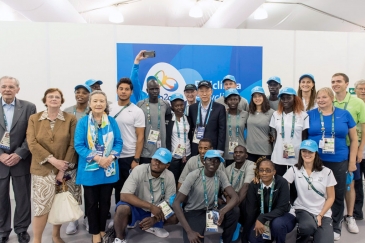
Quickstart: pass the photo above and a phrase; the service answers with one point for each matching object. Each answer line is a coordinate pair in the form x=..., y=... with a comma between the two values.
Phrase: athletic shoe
x=337, y=236
x=72, y=228
x=159, y=232
x=86, y=224
x=116, y=240
x=351, y=225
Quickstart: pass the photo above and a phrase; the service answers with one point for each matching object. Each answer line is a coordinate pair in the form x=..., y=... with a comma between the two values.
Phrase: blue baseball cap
x=274, y=78
x=309, y=145
x=91, y=82
x=229, y=77
x=176, y=96
x=213, y=154
x=257, y=89
x=163, y=155
x=229, y=92
x=307, y=75
x=83, y=86
x=287, y=90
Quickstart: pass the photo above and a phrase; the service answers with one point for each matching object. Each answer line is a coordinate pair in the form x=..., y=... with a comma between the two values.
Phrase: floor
x=138, y=236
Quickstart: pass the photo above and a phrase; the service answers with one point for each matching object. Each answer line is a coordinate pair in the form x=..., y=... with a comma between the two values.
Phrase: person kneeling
x=200, y=191
x=144, y=198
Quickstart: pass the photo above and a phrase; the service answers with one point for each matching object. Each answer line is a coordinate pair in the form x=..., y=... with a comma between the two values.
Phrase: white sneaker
x=86, y=224
x=116, y=240
x=159, y=232
x=72, y=228
x=111, y=224
x=337, y=236
x=351, y=225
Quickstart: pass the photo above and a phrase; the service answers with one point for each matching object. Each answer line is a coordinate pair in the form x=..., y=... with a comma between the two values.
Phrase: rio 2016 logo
x=163, y=81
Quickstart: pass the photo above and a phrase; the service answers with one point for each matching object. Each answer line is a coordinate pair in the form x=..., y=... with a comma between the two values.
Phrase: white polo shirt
x=301, y=123
x=308, y=199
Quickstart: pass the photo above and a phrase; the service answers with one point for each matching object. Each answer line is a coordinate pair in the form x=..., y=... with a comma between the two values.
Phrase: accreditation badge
x=166, y=209
x=198, y=134
x=328, y=146
x=212, y=217
x=179, y=151
x=153, y=137
x=267, y=234
x=288, y=151
x=5, y=141
x=231, y=146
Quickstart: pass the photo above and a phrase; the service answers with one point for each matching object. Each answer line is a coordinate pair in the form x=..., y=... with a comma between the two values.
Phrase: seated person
x=316, y=194
x=200, y=193
x=267, y=207
x=197, y=161
x=240, y=173
x=146, y=187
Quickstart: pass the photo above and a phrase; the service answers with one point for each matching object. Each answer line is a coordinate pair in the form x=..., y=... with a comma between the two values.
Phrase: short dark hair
x=206, y=140
x=125, y=81
x=265, y=107
x=345, y=77
x=317, y=164
x=244, y=148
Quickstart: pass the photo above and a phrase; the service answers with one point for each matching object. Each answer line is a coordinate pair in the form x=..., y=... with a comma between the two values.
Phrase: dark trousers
x=22, y=215
x=197, y=222
x=176, y=167
x=279, y=227
x=307, y=227
x=359, y=190
x=144, y=160
x=124, y=167
x=97, y=205
x=255, y=157
x=339, y=171
x=281, y=170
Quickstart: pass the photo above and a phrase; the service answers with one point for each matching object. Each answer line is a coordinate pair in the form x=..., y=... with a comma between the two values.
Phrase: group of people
x=262, y=165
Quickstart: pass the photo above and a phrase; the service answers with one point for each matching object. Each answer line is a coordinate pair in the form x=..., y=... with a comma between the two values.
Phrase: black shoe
x=4, y=239
x=23, y=237
x=109, y=216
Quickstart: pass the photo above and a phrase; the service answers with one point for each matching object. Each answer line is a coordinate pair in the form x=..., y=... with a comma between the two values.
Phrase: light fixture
x=196, y=11
x=115, y=16
x=260, y=13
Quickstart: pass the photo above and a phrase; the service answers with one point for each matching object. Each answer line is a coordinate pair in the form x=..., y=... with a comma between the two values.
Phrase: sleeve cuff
x=91, y=156
x=45, y=160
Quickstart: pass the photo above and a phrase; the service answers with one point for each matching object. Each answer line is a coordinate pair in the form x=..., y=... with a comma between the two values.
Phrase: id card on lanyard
x=233, y=144
x=212, y=216
x=180, y=150
x=200, y=128
x=288, y=147
x=5, y=140
x=154, y=135
x=267, y=234
x=166, y=209
x=328, y=144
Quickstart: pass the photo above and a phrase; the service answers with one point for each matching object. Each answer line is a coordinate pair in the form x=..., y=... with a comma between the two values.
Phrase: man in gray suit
x=15, y=160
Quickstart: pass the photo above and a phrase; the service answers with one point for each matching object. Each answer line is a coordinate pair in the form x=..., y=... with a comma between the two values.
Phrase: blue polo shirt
x=343, y=123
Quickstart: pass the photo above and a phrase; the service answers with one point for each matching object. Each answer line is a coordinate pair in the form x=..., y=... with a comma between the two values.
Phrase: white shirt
x=305, y=105
x=175, y=140
x=130, y=118
x=308, y=199
x=301, y=123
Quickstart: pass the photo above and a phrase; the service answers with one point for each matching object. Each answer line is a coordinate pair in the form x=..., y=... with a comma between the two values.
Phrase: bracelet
x=320, y=215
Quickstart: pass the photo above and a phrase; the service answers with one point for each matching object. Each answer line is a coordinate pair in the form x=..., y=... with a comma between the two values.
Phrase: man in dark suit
x=15, y=160
x=207, y=119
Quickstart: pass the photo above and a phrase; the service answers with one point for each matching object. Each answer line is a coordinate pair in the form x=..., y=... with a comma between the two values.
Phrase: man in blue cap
x=200, y=192
x=274, y=85
x=229, y=82
x=146, y=188
x=94, y=84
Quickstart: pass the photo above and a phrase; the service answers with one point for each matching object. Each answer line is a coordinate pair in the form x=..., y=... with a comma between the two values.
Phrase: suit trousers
x=22, y=215
x=359, y=190
x=124, y=167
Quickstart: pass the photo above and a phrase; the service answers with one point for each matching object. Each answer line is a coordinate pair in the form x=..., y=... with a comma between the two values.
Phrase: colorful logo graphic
x=165, y=82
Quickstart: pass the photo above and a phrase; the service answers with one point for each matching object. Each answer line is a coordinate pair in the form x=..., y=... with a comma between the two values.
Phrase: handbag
x=65, y=208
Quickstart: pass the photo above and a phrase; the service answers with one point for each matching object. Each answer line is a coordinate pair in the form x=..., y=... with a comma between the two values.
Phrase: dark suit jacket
x=215, y=130
x=18, y=143
x=169, y=126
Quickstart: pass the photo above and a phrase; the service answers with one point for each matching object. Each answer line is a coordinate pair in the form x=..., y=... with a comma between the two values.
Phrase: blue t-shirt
x=343, y=123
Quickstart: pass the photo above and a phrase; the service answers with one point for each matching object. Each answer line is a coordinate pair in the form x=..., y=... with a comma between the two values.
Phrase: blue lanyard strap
x=208, y=115
x=292, y=126
x=197, y=163
x=237, y=125
x=206, y=193
x=238, y=179
x=311, y=185
x=270, y=199
x=178, y=130
x=116, y=115
x=323, y=129
x=149, y=115
x=162, y=183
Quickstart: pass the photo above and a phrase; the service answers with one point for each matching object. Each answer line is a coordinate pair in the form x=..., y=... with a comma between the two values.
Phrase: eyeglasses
x=265, y=170
x=54, y=97
x=8, y=87
x=212, y=160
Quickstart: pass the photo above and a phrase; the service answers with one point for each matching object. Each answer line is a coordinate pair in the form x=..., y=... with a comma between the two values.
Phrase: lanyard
x=333, y=124
x=6, y=121
x=197, y=162
x=238, y=179
x=314, y=189
x=116, y=115
x=208, y=115
x=149, y=115
x=270, y=199
x=83, y=113
x=292, y=126
x=230, y=125
x=347, y=103
x=178, y=130
x=206, y=193
x=162, y=183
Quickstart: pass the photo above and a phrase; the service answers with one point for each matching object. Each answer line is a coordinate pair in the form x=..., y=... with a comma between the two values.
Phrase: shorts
x=138, y=214
x=44, y=190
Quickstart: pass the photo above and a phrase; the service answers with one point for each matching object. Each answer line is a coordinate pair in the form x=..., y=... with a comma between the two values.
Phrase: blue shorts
x=138, y=214
x=357, y=174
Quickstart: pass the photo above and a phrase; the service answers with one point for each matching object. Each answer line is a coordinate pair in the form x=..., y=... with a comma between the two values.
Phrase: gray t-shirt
x=240, y=139
x=243, y=105
x=247, y=176
x=72, y=110
x=258, y=130
x=194, y=189
x=148, y=148
x=273, y=104
x=193, y=164
x=138, y=183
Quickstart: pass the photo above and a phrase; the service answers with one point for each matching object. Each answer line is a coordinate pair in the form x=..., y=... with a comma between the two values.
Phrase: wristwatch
x=137, y=160
x=114, y=157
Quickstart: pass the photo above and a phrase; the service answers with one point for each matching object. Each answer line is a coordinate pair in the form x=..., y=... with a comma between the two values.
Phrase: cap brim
x=161, y=159
x=309, y=149
x=219, y=157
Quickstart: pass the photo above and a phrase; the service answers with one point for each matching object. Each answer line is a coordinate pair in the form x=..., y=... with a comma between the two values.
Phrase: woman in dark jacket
x=272, y=221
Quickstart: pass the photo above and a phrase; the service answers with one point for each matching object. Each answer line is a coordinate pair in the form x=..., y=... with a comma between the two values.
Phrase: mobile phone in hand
x=149, y=54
